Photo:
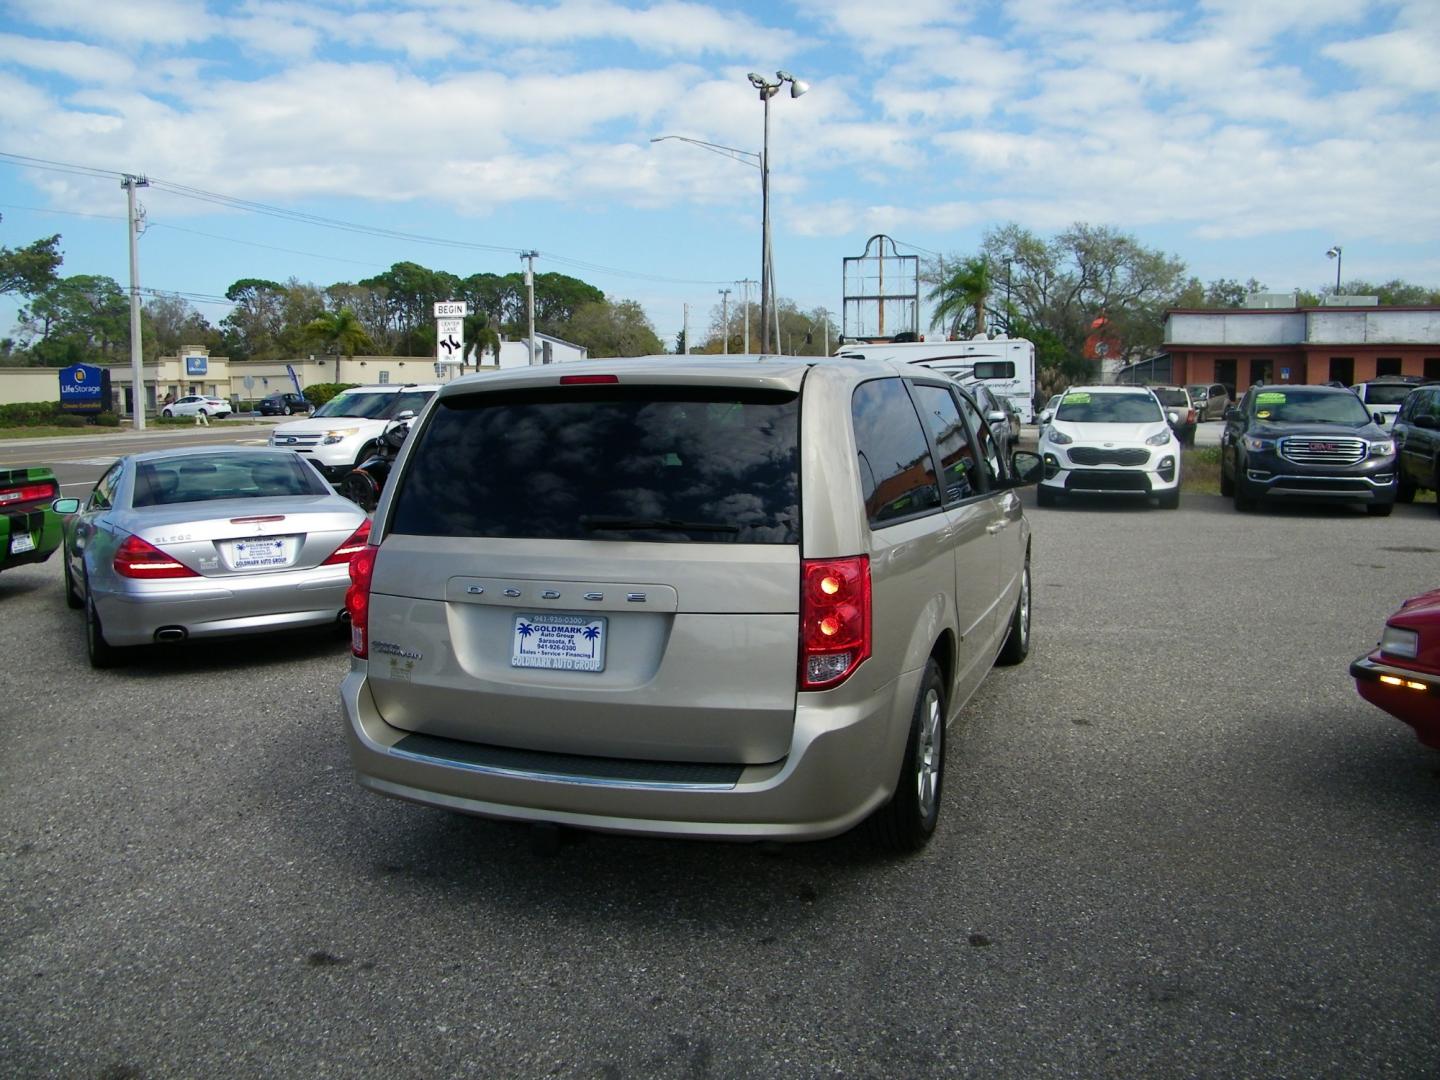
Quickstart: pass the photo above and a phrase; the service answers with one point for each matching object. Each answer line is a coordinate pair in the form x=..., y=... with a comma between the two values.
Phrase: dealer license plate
x=563, y=642
x=262, y=553
x=22, y=543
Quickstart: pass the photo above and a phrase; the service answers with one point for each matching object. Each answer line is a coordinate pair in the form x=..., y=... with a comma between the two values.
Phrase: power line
x=337, y=224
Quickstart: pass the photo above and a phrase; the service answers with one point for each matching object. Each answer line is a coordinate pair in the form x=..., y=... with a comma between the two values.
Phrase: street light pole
x=768, y=90
x=137, y=372
x=1334, y=253
x=724, y=322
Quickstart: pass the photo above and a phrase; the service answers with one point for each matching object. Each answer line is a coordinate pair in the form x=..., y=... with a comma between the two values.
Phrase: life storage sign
x=84, y=388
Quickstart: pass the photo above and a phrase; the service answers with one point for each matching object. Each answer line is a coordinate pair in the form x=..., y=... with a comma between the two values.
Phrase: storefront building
x=1240, y=347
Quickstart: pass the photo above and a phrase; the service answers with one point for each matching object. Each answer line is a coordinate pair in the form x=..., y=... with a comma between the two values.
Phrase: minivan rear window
x=661, y=464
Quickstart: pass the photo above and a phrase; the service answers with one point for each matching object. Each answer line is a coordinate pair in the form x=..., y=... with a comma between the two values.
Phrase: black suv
x=1313, y=443
x=1417, y=443
x=283, y=405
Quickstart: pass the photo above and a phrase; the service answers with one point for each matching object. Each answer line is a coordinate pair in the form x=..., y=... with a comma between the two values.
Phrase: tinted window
x=994, y=369
x=989, y=455
x=1102, y=408
x=1176, y=398
x=373, y=404
x=1298, y=404
x=897, y=474
x=234, y=476
x=959, y=464
x=714, y=465
x=1386, y=394
x=103, y=497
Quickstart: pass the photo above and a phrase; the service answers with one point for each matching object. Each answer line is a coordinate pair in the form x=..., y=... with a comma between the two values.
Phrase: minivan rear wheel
x=908, y=820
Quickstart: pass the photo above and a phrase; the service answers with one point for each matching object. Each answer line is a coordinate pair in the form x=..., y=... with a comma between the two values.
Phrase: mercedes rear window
x=660, y=464
x=164, y=482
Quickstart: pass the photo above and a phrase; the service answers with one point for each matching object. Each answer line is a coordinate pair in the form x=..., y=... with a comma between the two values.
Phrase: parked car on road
x=1382, y=397
x=1306, y=443
x=197, y=404
x=1210, y=400
x=701, y=597
x=1110, y=440
x=1176, y=399
x=207, y=541
x=1417, y=444
x=1402, y=674
x=283, y=405
x=343, y=432
x=29, y=529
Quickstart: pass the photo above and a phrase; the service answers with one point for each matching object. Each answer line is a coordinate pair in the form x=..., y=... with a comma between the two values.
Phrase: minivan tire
x=908, y=820
x=1017, y=641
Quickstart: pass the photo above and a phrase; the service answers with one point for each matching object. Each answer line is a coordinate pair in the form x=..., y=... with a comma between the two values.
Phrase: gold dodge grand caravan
x=732, y=598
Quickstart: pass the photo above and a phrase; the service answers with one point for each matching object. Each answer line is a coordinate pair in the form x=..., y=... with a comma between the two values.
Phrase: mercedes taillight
x=143, y=560
x=834, y=619
x=347, y=551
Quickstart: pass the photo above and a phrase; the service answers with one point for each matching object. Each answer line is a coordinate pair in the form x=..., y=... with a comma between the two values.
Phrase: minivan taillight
x=351, y=547
x=834, y=619
x=357, y=599
x=141, y=559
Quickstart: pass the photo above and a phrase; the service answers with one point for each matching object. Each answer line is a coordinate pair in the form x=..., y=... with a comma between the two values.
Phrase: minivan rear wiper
x=675, y=524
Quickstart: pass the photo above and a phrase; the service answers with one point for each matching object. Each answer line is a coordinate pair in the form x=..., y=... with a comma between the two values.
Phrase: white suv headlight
x=1059, y=438
x=1160, y=438
x=338, y=434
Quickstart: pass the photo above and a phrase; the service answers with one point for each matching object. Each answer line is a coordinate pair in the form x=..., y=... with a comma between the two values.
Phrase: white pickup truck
x=343, y=432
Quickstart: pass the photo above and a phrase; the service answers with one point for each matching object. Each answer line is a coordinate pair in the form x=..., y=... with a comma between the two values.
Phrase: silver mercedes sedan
x=206, y=542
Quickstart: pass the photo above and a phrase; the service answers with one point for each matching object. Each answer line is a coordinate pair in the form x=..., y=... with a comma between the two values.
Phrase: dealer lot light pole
x=768, y=90
x=1334, y=253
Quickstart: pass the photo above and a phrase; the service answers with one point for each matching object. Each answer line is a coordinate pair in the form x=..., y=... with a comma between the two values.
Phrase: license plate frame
x=556, y=642
x=261, y=553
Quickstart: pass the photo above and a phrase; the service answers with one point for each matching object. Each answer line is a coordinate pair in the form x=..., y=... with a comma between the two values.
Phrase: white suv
x=345, y=430
x=1113, y=440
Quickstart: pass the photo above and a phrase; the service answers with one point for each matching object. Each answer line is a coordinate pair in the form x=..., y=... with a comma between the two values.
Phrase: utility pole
x=529, y=257
x=725, y=321
x=685, y=330
x=746, y=286
x=137, y=374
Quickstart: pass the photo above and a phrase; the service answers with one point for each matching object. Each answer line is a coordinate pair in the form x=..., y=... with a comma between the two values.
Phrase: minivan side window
x=959, y=464
x=897, y=473
x=989, y=455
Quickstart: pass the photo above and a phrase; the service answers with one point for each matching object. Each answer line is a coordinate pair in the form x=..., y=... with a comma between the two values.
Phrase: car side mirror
x=1173, y=418
x=65, y=506
x=1025, y=468
x=1231, y=413
x=1046, y=415
x=1379, y=418
x=995, y=417
x=407, y=414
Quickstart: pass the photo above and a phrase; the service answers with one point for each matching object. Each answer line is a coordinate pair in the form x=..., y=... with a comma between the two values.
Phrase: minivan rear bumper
x=842, y=764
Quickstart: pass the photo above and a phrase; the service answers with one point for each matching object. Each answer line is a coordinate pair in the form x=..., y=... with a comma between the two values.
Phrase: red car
x=1402, y=675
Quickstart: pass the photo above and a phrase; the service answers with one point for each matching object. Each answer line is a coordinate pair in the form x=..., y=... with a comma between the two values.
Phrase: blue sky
x=1245, y=136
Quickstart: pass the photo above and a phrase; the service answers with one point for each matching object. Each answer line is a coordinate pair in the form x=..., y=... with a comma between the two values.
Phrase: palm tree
x=339, y=332
x=965, y=290
x=480, y=338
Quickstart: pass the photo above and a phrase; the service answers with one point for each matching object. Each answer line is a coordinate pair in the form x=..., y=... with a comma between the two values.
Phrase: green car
x=29, y=530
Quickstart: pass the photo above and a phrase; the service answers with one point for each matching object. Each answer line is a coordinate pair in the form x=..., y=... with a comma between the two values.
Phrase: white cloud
x=1406, y=59
x=130, y=22
x=73, y=60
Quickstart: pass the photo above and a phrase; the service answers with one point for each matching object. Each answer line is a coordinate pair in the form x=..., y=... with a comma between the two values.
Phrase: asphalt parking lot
x=1175, y=843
